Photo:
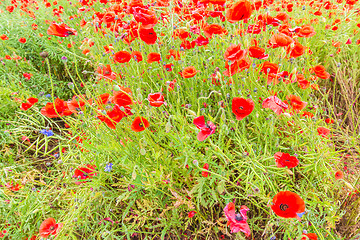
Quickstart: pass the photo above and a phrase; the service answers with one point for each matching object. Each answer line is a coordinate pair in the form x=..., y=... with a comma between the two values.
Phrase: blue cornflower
x=108, y=167
x=47, y=133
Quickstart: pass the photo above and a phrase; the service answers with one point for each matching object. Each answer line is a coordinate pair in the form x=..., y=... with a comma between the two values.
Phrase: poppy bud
x=44, y=54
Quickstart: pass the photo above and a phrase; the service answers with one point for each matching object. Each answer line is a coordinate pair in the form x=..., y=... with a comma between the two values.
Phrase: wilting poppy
x=234, y=53
x=49, y=227
x=320, y=72
x=237, y=221
x=122, y=57
x=206, y=129
x=148, y=35
x=287, y=204
x=83, y=173
x=242, y=107
x=153, y=57
x=339, y=175
x=285, y=160
x=156, y=99
x=275, y=104
x=324, y=132
x=188, y=72
x=139, y=124
x=309, y=236
x=239, y=11
x=296, y=103
x=60, y=30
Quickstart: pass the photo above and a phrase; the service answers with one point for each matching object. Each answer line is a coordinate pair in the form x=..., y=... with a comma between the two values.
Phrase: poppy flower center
x=52, y=228
x=241, y=107
x=238, y=217
x=141, y=125
x=284, y=207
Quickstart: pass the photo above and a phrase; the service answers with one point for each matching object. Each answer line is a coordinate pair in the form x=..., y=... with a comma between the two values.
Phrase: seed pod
x=44, y=55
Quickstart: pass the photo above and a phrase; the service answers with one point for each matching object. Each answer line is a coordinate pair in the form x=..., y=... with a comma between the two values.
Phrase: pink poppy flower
x=206, y=129
x=275, y=104
x=237, y=221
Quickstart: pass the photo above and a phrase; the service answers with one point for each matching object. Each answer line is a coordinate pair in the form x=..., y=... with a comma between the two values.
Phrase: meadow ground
x=197, y=119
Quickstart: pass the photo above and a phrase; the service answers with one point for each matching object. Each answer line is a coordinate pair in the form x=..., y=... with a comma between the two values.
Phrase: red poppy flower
x=57, y=109
x=297, y=51
x=242, y=107
x=147, y=17
x=113, y=117
x=188, y=72
x=25, y=106
x=320, y=72
x=61, y=30
x=339, y=175
x=269, y=67
x=257, y=52
x=306, y=31
x=236, y=67
x=309, y=236
x=148, y=35
x=324, y=132
x=122, y=97
x=153, y=57
x=22, y=40
x=122, y=57
x=239, y=11
x=302, y=82
x=275, y=104
x=206, y=129
x=105, y=72
x=77, y=103
x=10, y=8
x=139, y=124
x=296, y=103
x=237, y=221
x=83, y=173
x=191, y=214
x=49, y=227
x=137, y=56
x=4, y=37
x=205, y=173
x=234, y=53
x=329, y=121
x=287, y=204
x=285, y=160
x=30, y=102
x=103, y=99
x=280, y=40
x=156, y=99
x=212, y=29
